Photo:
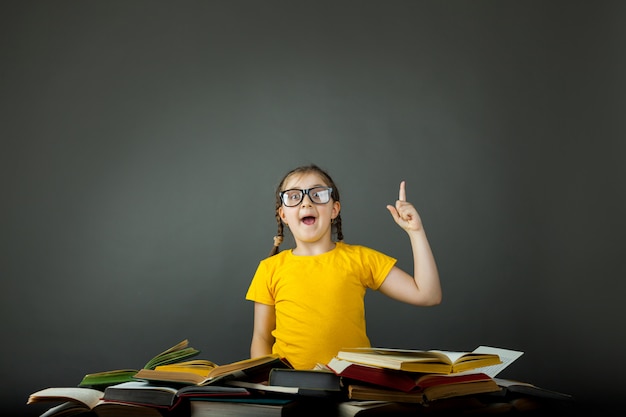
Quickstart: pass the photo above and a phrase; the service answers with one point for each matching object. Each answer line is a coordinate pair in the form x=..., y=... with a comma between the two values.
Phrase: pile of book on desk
x=357, y=382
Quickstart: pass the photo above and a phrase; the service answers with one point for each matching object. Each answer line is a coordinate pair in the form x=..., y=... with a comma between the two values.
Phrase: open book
x=253, y=369
x=424, y=361
x=176, y=353
x=86, y=401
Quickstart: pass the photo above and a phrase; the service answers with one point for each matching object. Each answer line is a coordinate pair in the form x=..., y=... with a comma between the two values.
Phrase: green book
x=101, y=380
x=176, y=353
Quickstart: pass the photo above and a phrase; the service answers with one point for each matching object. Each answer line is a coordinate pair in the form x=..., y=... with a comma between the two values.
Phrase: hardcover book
x=299, y=382
x=306, y=379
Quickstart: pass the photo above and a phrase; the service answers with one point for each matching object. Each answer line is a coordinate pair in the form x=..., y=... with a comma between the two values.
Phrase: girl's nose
x=307, y=200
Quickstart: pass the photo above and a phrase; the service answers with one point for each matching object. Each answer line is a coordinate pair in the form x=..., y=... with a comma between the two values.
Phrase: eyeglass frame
x=305, y=192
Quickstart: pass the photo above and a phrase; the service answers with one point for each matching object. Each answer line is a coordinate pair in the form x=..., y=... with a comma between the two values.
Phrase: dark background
x=142, y=142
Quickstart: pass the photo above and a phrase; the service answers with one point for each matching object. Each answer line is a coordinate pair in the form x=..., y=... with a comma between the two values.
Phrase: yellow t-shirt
x=319, y=300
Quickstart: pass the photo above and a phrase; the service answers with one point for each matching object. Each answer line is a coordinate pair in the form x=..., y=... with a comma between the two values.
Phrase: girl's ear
x=281, y=214
x=336, y=210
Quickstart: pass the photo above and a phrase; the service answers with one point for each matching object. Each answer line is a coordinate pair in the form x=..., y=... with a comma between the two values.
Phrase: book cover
x=100, y=380
x=390, y=378
x=214, y=391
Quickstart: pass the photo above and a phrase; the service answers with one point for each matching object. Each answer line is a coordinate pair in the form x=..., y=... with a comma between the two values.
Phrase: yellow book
x=200, y=367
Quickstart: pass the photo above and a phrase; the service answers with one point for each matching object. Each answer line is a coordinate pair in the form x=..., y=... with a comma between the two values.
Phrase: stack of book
x=435, y=381
x=412, y=375
x=357, y=382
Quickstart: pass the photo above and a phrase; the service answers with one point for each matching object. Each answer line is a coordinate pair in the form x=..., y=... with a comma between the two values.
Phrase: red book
x=385, y=377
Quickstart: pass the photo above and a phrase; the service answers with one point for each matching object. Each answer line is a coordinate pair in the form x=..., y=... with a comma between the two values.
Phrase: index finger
x=402, y=194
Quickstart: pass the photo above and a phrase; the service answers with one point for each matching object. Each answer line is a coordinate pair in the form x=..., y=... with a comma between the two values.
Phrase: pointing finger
x=402, y=195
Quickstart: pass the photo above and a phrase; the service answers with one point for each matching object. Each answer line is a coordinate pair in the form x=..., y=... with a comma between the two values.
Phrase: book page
x=507, y=357
x=452, y=356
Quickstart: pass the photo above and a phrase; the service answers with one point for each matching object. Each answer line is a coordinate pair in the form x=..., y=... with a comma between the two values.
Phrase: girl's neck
x=312, y=249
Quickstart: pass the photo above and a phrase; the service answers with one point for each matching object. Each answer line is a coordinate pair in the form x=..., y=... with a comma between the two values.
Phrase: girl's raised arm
x=423, y=288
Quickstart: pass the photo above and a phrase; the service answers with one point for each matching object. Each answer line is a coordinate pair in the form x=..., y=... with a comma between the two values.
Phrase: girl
x=309, y=301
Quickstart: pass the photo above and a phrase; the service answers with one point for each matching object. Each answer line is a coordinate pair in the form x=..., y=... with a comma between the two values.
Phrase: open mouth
x=308, y=220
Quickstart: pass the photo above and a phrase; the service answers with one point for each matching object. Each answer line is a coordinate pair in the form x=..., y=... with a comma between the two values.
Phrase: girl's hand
x=404, y=213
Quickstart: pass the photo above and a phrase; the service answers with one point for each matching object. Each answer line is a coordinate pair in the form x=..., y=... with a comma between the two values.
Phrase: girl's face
x=309, y=222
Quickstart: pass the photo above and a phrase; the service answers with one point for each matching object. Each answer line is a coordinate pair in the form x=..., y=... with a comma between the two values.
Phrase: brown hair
x=305, y=169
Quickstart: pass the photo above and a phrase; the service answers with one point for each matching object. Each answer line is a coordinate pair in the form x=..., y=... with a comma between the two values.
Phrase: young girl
x=309, y=301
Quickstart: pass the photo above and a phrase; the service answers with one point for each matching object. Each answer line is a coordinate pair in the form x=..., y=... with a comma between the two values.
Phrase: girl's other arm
x=264, y=324
x=423, y=288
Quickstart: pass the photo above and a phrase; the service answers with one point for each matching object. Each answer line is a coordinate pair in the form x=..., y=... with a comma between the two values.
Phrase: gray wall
x=142, y=141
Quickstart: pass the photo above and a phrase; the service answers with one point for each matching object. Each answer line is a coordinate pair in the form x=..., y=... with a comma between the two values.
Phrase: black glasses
x=318, y=195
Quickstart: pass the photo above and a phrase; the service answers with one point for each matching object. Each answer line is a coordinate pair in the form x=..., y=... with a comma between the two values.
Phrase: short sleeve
x=379, y=265
x=259, y=290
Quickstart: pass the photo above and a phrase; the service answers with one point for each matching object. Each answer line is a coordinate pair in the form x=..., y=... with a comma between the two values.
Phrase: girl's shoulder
x=364, y=253
x=279, y=258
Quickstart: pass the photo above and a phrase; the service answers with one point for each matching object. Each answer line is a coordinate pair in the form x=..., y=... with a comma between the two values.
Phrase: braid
x=278, y=239
x=337, y=223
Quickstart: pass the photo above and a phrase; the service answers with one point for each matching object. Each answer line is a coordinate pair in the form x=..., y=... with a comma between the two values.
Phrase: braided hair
x=305, y=169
